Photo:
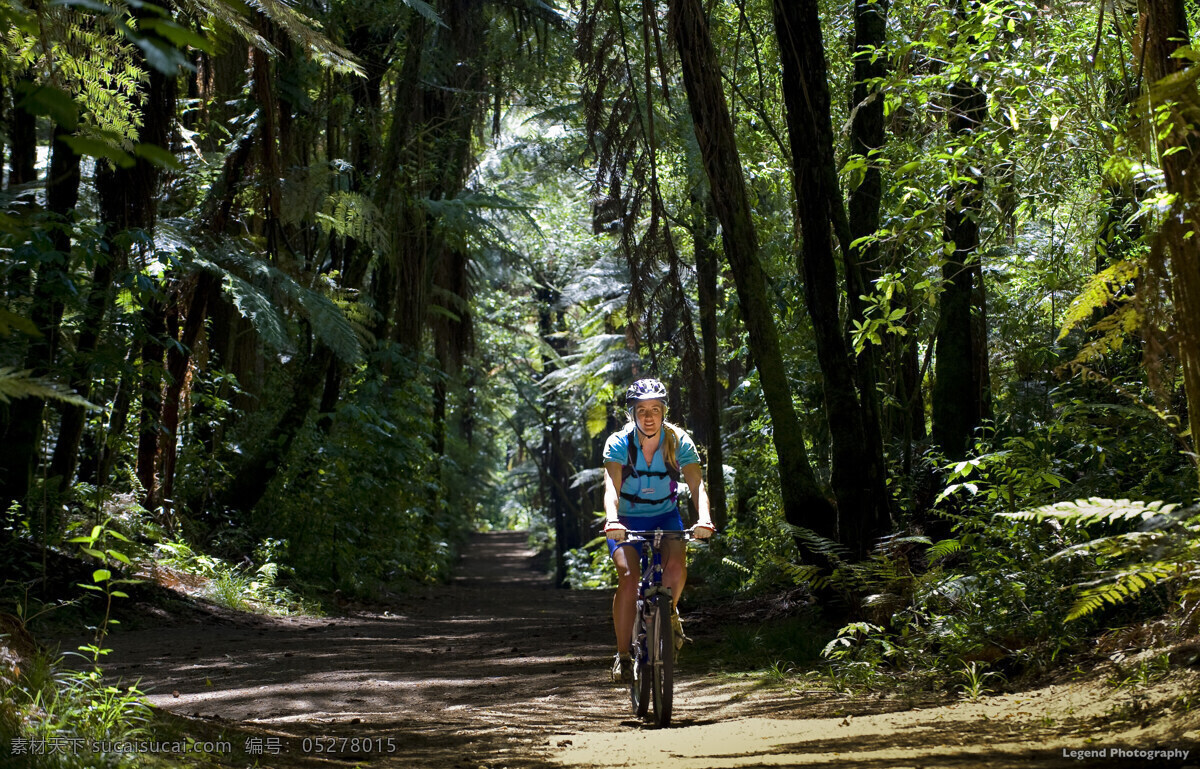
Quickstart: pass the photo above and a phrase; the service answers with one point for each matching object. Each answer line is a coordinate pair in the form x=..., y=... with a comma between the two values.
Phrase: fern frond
x=740, y=567
x=329, y=323
x=10, y=321
x=353, y=215
x=1114, y=546
x=1119, y=587
x=804, y=574
x=256, y=306
x=463, y=217
x=1111, y=332
x=16, y=384
x=827, y=547
x=944, y=548
x=1099, y=290
x=1094, y=510
x=891, y=542
x=256, y=299
x=303, y=31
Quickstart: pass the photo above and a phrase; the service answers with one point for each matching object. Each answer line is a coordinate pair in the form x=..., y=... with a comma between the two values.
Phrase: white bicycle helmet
x=645, y=390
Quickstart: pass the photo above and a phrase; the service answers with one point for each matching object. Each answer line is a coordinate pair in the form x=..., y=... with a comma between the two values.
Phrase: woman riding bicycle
x=643, y=463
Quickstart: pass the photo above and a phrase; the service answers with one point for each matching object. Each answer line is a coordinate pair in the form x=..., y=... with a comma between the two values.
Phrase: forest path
x=498, y=669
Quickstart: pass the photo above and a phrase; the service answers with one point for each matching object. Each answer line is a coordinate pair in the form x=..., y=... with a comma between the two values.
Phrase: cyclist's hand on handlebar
x=614, y=530
x=703, y=530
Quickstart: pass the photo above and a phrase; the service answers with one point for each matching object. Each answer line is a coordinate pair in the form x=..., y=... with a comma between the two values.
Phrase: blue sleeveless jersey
x=647, y=481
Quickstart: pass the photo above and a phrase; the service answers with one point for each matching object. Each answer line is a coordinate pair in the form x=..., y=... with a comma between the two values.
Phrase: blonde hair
x=671, y=444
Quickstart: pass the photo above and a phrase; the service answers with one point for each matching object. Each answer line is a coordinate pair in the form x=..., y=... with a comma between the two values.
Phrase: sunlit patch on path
x=499, y=669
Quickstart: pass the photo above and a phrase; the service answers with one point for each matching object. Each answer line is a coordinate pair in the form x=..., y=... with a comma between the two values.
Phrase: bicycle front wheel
x=639, y=687
x=662, y=656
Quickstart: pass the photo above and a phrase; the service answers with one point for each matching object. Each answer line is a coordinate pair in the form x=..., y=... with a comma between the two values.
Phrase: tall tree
x=961, y=398
x=858, y=471
x=704, y=236
x=52, y=285
x=804, y=503
x=1175, y=102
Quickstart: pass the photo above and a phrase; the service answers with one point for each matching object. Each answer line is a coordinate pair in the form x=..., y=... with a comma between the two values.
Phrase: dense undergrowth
x=1041, y=554
x=346, y=518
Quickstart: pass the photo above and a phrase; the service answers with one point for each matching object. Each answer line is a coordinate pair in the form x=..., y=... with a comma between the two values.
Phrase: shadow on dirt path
x=467, y=674
x=498, y=669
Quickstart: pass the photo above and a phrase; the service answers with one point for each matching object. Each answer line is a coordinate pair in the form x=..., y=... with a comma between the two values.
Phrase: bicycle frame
x=653, y=647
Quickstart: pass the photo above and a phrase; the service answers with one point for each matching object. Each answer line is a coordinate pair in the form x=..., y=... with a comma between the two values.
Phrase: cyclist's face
x=649, y=416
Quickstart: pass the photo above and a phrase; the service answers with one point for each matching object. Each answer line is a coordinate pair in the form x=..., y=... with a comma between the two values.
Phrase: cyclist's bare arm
x=612, y=498
x=695, y=481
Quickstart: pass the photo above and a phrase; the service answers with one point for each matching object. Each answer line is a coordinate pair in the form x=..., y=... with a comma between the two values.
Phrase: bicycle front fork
x=646, y=612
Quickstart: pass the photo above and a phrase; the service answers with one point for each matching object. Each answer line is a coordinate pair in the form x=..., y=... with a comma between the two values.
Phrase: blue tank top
x=649, y=482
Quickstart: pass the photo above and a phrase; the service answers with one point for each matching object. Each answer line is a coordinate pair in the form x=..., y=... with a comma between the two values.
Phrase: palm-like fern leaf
x=302, y=30
x=255, y=295
x=20, y=384
x=1119, y=586
x=1094, y=510
x=1165, y=548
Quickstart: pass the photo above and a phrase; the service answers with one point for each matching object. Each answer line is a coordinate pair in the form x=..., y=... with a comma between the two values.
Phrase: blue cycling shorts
x=668, y=521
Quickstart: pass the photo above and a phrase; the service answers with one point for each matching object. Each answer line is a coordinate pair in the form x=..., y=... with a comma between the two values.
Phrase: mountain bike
x=653, y=648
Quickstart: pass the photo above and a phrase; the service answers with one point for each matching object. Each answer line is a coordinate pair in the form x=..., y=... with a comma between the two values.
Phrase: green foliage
x=590, y=567
x=1163, y=549
x=251, y=589
x=268, y=297
x=974, y=680
x=19, y=384
x=100, y=545
x=355, y=514
x=50, y=702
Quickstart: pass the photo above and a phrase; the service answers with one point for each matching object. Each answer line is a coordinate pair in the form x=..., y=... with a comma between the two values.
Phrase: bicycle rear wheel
x=662, y=656
x=639, y=687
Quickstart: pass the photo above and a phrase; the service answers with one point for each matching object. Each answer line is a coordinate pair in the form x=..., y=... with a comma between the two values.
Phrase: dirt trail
x=497, y=669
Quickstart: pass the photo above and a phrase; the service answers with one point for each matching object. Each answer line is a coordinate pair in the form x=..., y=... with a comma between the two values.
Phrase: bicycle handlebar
x=685, y=535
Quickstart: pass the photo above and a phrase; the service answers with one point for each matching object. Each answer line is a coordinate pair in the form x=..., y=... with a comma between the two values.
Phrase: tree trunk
x=198, y=294
x=150, y=385
x=4, y=102
x=97, y=455
x=961, y=389
x=23, y=144
x=62, y=195
x=128, y=199
x=179, y=356
x=804, y=504
x=250, y=483
x=563, y=509
x=867, y=135
x=704, y=235
x=22, y=157
x=1164, y=24
x=858, y=474
x=22, y=433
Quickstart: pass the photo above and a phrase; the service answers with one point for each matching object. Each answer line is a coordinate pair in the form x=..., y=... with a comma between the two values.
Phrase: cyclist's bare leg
x=629, y=573
x=674, y=558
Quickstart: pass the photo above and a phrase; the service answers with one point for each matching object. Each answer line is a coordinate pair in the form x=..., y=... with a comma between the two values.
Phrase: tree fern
x=1094, y=510
x=266, y=295
x=20, y=384
x=1101, y=289
x=1118, y=586
x=1164, y=549
x=258, y=297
